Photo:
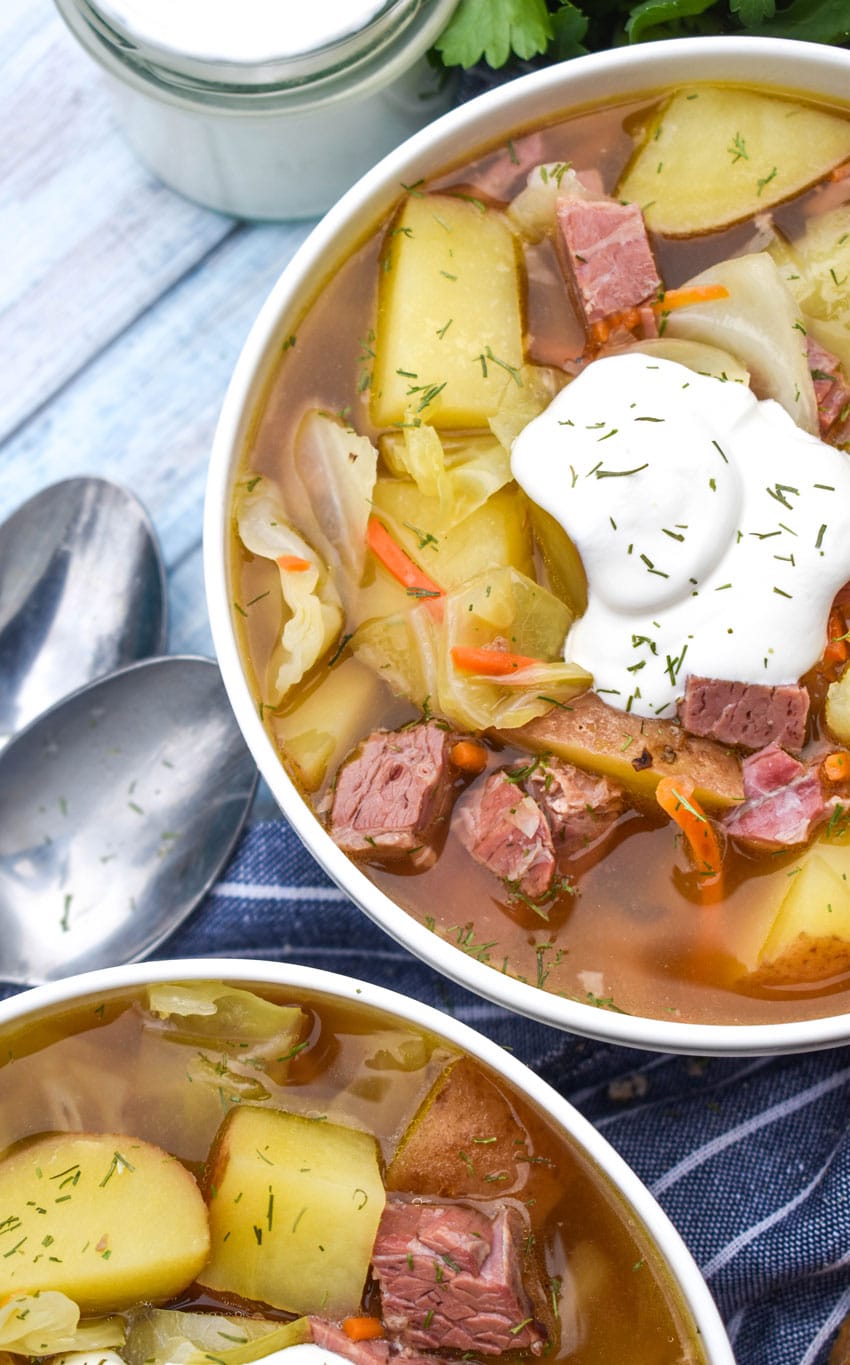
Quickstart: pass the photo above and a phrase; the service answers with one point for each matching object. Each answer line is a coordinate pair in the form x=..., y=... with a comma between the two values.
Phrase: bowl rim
x=797, y=68
x=695, y=1296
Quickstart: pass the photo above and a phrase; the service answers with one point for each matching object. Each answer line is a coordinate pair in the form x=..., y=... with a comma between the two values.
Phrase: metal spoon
x=82, y=592
x=118, y=809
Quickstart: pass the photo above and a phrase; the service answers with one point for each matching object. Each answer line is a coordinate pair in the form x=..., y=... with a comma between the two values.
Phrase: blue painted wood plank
x=88, y=238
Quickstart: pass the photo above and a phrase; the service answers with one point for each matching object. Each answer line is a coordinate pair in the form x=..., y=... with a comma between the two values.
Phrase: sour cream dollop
x=306, y=1354
x=714, y=532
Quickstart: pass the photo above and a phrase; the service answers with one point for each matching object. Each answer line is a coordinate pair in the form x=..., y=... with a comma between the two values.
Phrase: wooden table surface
x=124, y=306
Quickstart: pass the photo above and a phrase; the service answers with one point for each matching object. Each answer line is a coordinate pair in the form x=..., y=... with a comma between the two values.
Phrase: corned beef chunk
x=451, y=1279
x=783, y=801
x=581, y=808
x=750, y=714
x=608, y=253
x=393, y=793
x=330, y=1337
x=831, y=389
x=507, y=831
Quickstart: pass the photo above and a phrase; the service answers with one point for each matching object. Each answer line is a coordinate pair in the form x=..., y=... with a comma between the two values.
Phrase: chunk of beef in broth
x=831, y=388
x=784, y=801
x=581, y=808
x=451, y=1278
x=506, y=831
x=608, y=255
x=393, y=795
x=751, y=715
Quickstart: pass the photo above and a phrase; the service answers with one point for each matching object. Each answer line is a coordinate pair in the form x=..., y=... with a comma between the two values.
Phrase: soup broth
x=635, y=919
x=122, y=1066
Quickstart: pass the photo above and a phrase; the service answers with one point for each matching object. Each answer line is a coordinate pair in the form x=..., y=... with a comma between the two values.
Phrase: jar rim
x=262, y=59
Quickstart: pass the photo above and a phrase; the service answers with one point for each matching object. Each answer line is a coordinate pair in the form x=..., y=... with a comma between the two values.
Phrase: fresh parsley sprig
x=541, y=31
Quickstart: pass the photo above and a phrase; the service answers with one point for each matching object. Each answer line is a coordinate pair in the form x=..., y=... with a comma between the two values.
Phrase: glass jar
x=266, y=108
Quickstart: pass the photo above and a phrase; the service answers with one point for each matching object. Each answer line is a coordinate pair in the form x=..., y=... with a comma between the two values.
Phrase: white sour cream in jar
x=252, y=31
x=713, y=531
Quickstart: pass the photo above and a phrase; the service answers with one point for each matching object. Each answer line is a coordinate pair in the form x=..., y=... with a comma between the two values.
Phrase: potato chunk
x=635, y=751
x=294, y=1208
x=495, y=535
x=809, y=939
x=449, y=315
x=713, y=156
x=104, y=1218
x=838, y=707
x=464, y=1139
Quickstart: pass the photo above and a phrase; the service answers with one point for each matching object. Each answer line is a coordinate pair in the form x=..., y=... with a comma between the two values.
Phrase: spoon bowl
x=82, y=593
x=118, y=808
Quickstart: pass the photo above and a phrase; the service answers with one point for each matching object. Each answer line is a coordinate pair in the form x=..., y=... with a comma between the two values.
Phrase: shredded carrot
x=675, y=796
x=683, y=298
x=495, y=663
x=626, y=317
x=836, y=644
x=836, y=766
x=468, y=756
x=399, y=564
x=294, y=563
x=362, y=1328
x=672, y=298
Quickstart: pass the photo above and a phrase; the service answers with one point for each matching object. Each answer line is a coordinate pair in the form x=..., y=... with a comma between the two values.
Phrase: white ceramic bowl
x=806, y=69
x=634, y=1200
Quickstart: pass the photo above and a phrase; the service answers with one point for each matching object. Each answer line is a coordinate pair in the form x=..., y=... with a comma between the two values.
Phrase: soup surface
x=203, y=1158
x=545, y=504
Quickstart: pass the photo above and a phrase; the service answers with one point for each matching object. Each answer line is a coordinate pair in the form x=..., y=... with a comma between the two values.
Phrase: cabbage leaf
x=457, y=474
x=760, y=323
x=412, y=652
x=209, y=1013
x=161, y=1335
x=314, y=609
x=327, y=490
x=49, y=1322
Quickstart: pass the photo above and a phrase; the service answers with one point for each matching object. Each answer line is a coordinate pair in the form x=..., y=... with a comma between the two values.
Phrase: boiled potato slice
x=838, y=707
x=104, y=1218
x=324, y=726
x=809, y=939
x=464, y=1140
x=635, y=751
x=294, y=1208
x=714, y=155
x=498, y=534
x=449, y=332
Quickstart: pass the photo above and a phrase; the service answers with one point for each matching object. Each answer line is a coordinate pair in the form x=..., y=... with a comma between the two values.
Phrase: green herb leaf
x=753, y=12
x=495, y=29
x=647, y=17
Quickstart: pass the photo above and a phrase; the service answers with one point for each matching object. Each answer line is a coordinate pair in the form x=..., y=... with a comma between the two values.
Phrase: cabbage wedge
x=211, y=1014
x=760, y=323
x=456, y=475
x=310, y=600
x=412, y=652
x=327, y=489
x=47, y=1322
x=158, y=1336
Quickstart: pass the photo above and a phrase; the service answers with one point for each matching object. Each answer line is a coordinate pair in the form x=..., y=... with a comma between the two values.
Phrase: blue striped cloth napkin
x=750, y=1157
